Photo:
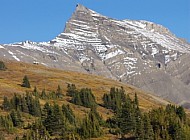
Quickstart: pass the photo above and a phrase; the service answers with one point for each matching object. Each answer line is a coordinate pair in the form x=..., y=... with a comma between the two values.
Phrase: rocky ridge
x=141, y=53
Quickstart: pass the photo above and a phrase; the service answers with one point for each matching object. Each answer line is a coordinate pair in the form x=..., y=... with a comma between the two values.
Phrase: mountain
x=141, y=53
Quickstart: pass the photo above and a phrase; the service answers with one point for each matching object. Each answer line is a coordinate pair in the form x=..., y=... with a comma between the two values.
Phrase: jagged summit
x=138, y=52
x=80, y=7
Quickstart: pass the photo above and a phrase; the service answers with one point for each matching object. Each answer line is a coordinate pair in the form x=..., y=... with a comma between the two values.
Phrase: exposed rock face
x=140, y=53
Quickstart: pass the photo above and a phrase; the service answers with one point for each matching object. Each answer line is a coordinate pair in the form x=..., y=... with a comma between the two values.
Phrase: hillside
x=48, y=78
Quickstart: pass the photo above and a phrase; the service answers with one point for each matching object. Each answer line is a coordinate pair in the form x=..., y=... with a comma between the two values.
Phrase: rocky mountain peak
x=80, y=7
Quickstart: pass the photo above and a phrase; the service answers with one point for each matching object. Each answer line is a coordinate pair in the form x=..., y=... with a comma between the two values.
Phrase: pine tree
x=6, y=122
x=67, y=111
x=54, y=120
x=71, y=90
x=181, y=113
x=49, y=121
x=36, y=108
x=6, y=104
x=148, y=130
x=90, y=127
x=76, y=99
x=2, y=66
x=45, y=111
x=43, y=94
x=59, y=93
x=26, y=82
x=59, y=120
x=38, y=131
x=15, y=102
x=24, y=107
x=84, y=98
x=115, y=99
x=139, y=125
x=35, y=92
x=16, y=118
x=126, y=119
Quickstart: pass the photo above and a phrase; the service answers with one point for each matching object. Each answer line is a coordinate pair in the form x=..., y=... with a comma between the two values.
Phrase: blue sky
x=43, y=20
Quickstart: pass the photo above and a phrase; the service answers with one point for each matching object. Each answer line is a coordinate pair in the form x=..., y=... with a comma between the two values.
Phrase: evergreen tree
x=181, y=113
x=148, y=130
x=15, y=102
x=43, y=94
x=35, y=92
x=49, y=121
x=139, y=125
x=76, y=99
x=71, y=90
x=38, y=131
x=26, y=82
x=6, y=104
x=24, y=106
x=59, y=93
x=55, y=121
x=84, y=98
x=6, y=122
x=115, y=99
x=59, y=121
x=2, y=66
x=90, y=127
x=45, y=111
x=16, y=118
x=67, y=111
x=36, y=107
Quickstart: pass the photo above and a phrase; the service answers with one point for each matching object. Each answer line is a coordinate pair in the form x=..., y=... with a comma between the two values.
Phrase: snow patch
x=113, y=54
x=14, y=56
x=1, y=47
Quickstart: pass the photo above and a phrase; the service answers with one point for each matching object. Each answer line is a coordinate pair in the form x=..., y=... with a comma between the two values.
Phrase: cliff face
x=140, y=53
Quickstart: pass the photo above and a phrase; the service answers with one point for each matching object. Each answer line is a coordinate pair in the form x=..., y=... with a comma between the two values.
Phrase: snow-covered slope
x=141, y=53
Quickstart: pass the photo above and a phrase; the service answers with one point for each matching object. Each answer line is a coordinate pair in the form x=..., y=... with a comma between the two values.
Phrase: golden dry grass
x=48, y=78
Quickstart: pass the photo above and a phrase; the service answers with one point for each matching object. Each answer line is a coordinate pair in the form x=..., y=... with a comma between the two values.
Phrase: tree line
x=59, y=122
x=168, y=123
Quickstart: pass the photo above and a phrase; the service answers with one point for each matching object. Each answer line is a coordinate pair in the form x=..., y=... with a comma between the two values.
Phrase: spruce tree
x=16, y=118
x=24, y=107
x=6, y=104
x=45, y=111
x=115, y=99
x=59, y=93
x=35, y=92
x=90, y=127
x=26, y=82
x=181, y=113
x=84, y=98
x=49, y=121
x=126, y=119
x=71, y=90
x=2, y=66
x=36, y=107
x=38, y=131
x=139, y=125
x=148, y=130
x=43, y=94
x=59, y=120
x=67, y=111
